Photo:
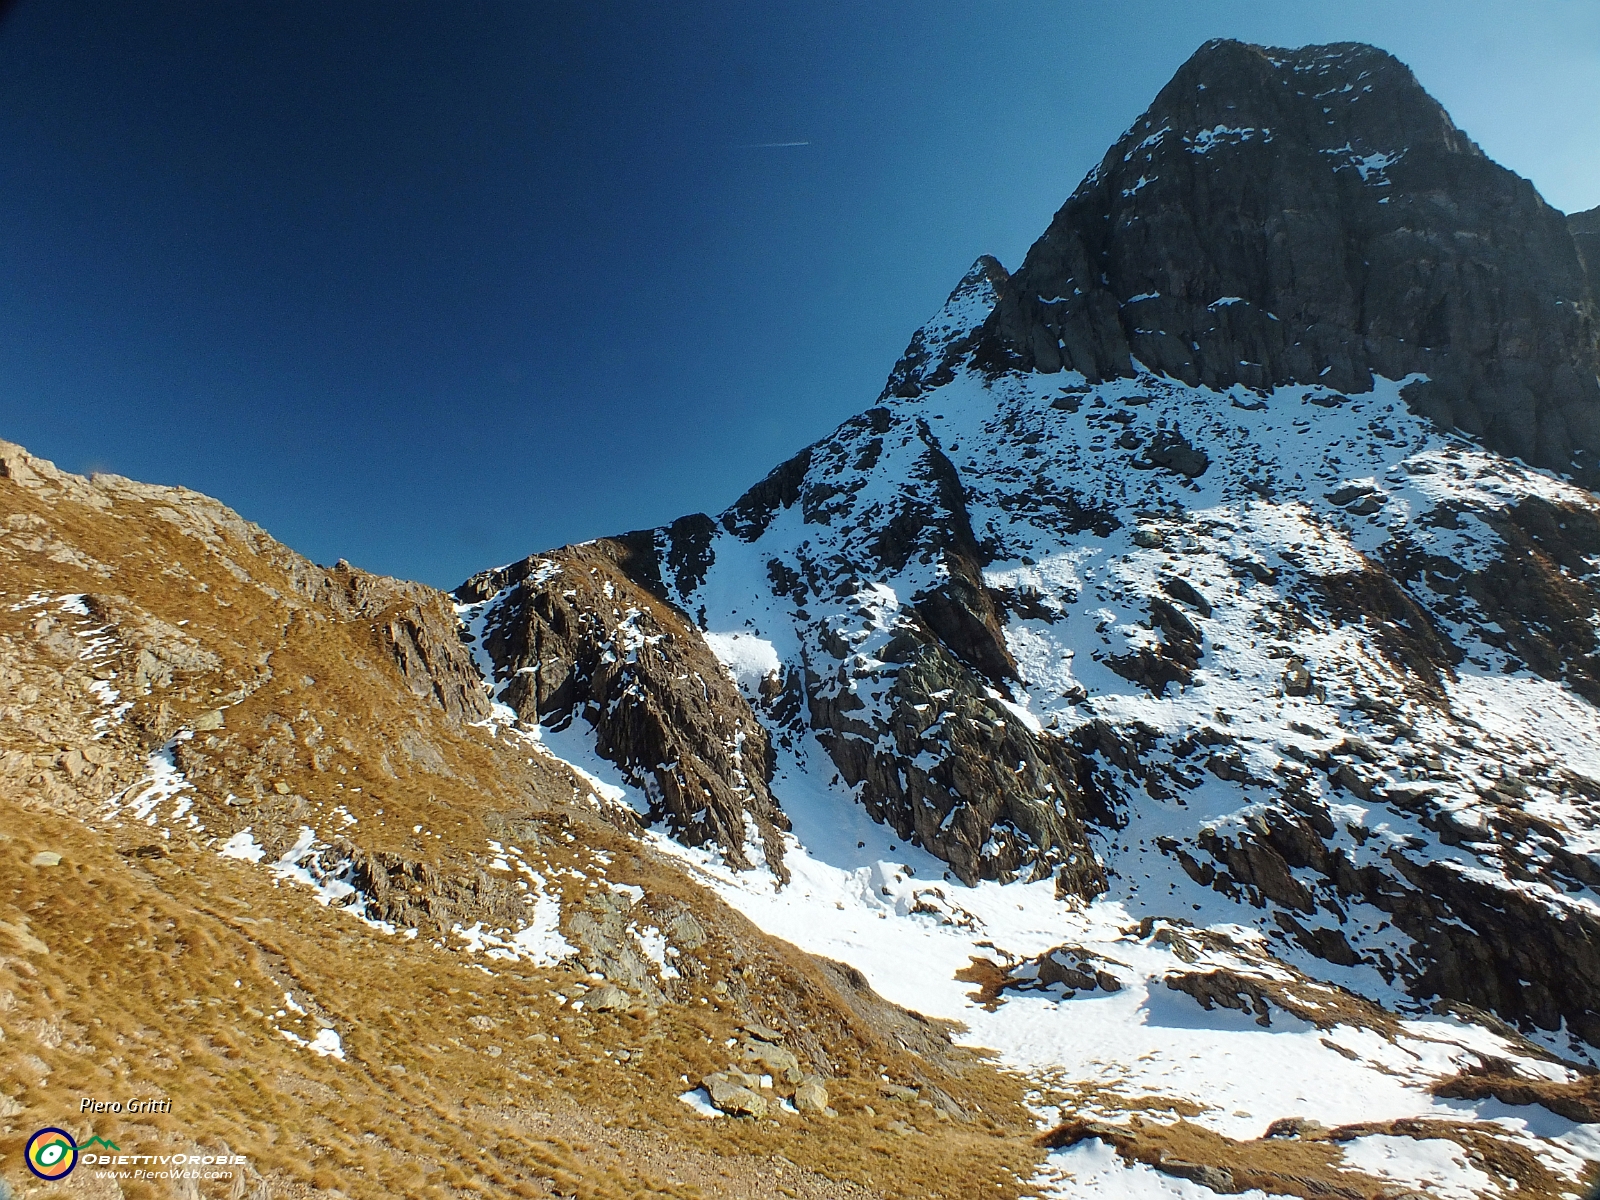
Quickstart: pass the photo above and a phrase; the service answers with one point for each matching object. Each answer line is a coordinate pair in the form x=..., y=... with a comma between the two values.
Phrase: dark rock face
x=959, y=775
x=1542, y=591
x=939, y=759
x=1173, y=661
x=578, y=631
x=1475, y=942
x=1314, y=216
x=1585, y=227
x=1510, y=958
x=753, y=512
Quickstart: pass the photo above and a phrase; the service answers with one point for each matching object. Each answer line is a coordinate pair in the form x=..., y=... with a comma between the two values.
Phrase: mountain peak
x=1314, y=216
x=935, y=348
x=1344, y=93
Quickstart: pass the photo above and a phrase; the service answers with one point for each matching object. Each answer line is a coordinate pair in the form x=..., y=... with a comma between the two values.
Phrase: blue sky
x=433, y=286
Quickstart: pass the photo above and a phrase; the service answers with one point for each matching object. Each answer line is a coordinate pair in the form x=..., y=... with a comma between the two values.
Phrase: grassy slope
x=144, y=964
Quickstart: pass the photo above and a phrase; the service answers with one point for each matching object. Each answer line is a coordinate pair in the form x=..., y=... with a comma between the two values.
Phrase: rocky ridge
x=575, y=634
x=1161, y=552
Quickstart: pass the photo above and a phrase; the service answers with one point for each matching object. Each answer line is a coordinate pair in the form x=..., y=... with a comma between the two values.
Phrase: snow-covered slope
x=1279, y=648
x=1297, y=675
x=1224, y=752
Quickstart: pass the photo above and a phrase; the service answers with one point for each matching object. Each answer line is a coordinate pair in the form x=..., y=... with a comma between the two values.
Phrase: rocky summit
x=1314, y=216
x=1153, y=749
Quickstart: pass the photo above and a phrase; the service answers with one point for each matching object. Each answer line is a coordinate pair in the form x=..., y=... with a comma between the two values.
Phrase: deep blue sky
x=432, y=286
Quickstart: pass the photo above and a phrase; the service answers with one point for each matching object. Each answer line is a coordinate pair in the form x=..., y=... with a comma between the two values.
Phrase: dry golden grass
x=1310, y=1163
x=163, y=965
x=1577, y=1100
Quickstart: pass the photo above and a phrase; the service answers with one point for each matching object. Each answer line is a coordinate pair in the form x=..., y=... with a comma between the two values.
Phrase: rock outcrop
x=1585, y=227
x=419, y=627
x=577, y=634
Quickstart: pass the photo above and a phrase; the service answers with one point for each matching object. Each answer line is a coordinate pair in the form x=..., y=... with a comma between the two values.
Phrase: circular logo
x=52, y=1154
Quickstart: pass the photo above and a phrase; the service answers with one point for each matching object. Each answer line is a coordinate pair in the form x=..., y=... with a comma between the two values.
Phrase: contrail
x=772, y=145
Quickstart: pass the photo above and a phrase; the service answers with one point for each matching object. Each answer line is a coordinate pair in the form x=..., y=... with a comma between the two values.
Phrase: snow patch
x=749, y=659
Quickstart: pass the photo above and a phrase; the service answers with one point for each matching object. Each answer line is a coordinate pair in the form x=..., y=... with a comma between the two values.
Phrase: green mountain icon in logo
x=98, y=1141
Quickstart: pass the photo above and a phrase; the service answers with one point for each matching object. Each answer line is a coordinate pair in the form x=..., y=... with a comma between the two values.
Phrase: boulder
x=811, y=1096
x=778, y=1059
x=1172, y=451
x=732, y=1096
x=609, y=998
